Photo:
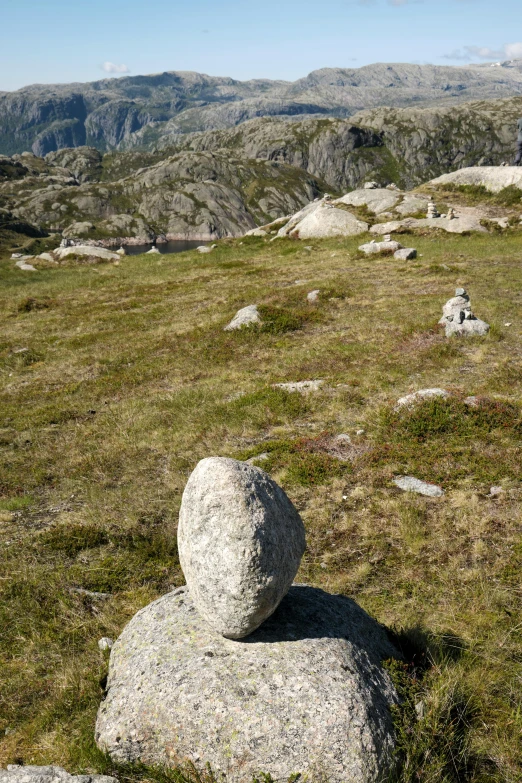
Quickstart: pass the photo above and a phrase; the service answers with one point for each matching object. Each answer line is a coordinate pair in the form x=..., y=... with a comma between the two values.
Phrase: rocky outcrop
x=143, y=110
x=305, y=693
x=240, y=543
x=492, y=178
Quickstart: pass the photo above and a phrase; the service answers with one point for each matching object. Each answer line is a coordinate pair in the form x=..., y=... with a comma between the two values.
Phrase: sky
x=60, y=41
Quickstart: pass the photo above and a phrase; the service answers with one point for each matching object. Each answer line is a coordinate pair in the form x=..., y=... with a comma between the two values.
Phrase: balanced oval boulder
x=240, y=543
x=305, y=694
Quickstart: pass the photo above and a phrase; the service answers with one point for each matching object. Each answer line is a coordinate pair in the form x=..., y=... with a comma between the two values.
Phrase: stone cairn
x=458, y=318
x=240, y=668
x=432, y=211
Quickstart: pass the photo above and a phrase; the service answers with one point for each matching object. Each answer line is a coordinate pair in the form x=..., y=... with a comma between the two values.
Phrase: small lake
x=173, y=246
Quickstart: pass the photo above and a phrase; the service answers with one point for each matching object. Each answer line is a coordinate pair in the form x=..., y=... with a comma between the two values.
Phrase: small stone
x=152, y=251
x=472, y=401
x=374, y=247
x=105, y=643
x=360, y=432
x=240, y=543
x=313, y=296
x=343, y=439
x=405, y=254
x=508, y=324
x=245, y=317
x=460, y=292
x=258, y=458
x=121, y=251
x=371, y=185
x=300, y=386
x=411, y=484
x=420, y=395
x=494, y=492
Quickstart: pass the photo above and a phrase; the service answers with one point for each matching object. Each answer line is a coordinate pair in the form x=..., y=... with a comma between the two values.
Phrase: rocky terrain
x=224, y=182
x=144, y=110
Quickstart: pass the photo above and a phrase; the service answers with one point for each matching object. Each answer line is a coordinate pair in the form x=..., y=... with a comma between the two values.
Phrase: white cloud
x=109, y=67
x=510, y=51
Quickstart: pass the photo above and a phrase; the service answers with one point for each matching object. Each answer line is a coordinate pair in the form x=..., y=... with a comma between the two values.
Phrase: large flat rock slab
x=305, y=693
x=493, y=178
x=376, y=200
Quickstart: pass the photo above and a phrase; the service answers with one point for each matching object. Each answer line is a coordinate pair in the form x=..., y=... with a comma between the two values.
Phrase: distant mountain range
x=153, y=111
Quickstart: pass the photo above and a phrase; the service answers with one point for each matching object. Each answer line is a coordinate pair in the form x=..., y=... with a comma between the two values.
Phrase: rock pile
x=457, y=317
x=303, y=693
x=432, y=211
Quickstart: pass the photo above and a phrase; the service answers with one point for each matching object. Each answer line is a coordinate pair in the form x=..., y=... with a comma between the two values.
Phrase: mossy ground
x=116, y=380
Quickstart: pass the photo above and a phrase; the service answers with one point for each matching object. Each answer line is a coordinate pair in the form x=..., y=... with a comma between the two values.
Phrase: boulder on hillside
x=493, y=178
x=327, y=221
x=245, y=317
x=88, y=251
x=304, y=694
x=240, y=543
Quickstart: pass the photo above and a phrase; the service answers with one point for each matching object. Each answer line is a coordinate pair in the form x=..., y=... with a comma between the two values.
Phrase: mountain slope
x=142, y=110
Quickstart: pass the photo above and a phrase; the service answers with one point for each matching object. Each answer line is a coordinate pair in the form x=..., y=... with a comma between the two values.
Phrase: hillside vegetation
x=117, y=379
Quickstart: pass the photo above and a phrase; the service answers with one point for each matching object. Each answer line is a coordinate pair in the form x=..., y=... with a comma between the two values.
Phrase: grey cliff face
x=240, y=543
x=305, y=693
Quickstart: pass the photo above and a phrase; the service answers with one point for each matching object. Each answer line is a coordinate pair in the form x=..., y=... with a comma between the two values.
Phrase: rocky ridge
x=140, y=110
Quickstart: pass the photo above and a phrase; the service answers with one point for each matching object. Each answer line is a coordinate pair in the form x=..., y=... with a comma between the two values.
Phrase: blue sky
x=72, y=40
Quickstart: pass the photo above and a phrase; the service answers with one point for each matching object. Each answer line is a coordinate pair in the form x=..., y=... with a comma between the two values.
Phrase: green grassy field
x=117, y=379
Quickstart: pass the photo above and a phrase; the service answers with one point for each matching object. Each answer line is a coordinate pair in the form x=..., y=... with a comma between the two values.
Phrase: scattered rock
x=205, y=248
x=258, y=458
x=313, y=296
x=47, y=257
x=245, y=317
x=371, y=185
x=305, y=694
x=411, y=484
x=386, y=228
x=472, y=401
x=420, y=395
x=405, y=254
x=240, y=543
x=121, y=251
x=257, y=232
x=89, y=251
x=152, y=251
x=300, y=386
x=373, y=248
x=91, y=594
x=457, y=317
x=30, y=774
x=495, y=492
x=22, y=264
x=105, y=643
